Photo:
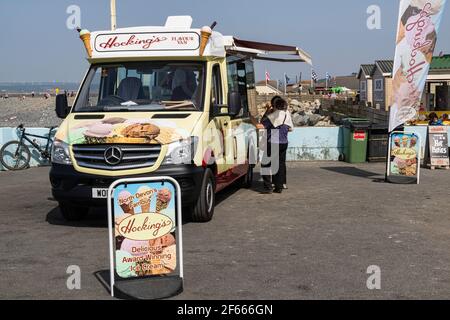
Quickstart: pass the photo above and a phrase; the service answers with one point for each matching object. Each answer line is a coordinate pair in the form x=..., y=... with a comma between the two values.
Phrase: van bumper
x=69, y=185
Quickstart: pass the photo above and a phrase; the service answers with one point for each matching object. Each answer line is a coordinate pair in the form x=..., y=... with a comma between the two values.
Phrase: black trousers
x=279, y=178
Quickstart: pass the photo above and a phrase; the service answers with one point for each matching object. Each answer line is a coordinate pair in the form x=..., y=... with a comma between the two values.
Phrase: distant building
x=437, y=90
x=382, y=84
x=365, y=83
x=349, y=82
x=376, y=90
x=267, y=89
x=375, y=84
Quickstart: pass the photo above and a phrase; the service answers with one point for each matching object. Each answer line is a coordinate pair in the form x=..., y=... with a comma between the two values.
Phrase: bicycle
x=15, y=155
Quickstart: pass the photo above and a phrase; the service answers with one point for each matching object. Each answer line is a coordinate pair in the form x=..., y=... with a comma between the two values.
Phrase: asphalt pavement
x=316, y=240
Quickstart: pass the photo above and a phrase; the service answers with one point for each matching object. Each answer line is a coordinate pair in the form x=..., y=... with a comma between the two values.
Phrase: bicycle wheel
x=15, y=156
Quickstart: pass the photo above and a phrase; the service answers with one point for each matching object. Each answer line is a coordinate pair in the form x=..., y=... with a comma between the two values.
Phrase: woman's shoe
x=266, y=191
x=278, y=190
x=285, y=186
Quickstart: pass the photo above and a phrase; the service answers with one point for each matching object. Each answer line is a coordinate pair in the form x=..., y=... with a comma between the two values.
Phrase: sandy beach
x=32, y=112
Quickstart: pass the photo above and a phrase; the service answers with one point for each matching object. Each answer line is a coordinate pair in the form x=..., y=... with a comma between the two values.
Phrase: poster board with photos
x=145, y=237
x=437, y=150
x=403, y=158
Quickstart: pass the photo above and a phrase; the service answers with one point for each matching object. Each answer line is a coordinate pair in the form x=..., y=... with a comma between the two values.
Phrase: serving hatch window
x=142, y=86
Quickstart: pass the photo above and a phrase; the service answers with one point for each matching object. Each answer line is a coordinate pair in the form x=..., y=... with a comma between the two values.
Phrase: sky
x=36, y=44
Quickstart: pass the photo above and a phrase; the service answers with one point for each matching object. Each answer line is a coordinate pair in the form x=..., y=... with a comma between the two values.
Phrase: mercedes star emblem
x=113, y=155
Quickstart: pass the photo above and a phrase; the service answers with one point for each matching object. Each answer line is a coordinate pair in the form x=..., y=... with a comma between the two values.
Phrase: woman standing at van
x=277, y=121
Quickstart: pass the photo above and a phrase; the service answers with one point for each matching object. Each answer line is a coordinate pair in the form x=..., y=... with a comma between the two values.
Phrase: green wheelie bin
x=355, y=139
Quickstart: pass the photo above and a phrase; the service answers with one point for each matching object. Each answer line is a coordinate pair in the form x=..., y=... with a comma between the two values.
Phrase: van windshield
x=142, y=86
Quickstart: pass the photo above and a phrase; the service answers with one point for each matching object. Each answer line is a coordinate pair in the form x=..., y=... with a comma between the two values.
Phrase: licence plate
x=99, y=193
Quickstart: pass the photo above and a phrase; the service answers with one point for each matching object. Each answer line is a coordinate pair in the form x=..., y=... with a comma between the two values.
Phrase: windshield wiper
x=178, y=104
x=147, y=107
x=164, y=105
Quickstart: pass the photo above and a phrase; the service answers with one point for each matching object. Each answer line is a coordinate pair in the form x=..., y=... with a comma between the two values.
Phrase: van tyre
x=203, y=209
x=71, y=212
x=247, y=179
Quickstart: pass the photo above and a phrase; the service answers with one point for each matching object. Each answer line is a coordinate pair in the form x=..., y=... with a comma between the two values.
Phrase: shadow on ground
x=96, y=218
x=226, y=193
x=356, y=172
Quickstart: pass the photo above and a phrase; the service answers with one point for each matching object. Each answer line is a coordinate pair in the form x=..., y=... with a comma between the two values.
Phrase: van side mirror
x=62, y=108
x=234, y=103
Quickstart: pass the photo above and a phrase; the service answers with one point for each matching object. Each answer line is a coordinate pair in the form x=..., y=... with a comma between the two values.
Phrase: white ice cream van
x=160, y=101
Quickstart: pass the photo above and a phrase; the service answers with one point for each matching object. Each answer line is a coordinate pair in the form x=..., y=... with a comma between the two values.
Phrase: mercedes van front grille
x=116, y=157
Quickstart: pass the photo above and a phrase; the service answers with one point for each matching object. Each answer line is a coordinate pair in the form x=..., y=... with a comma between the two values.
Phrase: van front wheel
x=204, y=207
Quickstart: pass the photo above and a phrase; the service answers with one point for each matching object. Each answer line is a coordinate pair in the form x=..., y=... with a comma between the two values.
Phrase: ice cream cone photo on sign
x=163, y=199
x=126, y=202
x=144, y=196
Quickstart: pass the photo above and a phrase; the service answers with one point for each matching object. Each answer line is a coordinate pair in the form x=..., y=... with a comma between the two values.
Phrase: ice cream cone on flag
x=205, y=34
x=85, y=36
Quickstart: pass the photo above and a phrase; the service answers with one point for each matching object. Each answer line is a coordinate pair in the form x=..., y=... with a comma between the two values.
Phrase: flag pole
x=265, y=75
x=113, y=15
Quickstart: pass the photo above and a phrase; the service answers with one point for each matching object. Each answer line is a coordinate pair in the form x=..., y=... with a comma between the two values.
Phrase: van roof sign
x=146, y=41
x=177, y=39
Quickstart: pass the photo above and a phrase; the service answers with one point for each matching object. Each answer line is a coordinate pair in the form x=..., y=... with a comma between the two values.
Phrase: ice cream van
x=160, y=101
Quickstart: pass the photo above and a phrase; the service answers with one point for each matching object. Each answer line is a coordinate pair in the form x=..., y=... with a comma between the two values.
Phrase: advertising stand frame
x=402, y=179
x=431, y=161
x=178, y=287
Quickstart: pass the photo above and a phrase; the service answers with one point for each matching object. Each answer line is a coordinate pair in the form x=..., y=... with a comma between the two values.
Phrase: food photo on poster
x=145, y=237
x=405, y=152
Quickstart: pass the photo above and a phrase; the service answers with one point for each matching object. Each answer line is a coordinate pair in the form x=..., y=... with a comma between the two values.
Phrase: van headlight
x=60, y=152
x=181, y=152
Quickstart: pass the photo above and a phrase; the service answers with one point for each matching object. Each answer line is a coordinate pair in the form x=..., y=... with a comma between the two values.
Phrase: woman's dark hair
x=273, y=100
x=432, y=116
x=280, y=104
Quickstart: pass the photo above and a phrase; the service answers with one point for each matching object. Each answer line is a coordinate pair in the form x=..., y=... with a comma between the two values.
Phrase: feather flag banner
x=418, y=27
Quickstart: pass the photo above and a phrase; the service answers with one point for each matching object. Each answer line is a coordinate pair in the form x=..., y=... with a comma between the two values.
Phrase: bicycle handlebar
x=21, y=126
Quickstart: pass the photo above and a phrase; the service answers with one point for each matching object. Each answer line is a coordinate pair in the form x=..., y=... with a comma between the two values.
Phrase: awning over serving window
x=262, y=51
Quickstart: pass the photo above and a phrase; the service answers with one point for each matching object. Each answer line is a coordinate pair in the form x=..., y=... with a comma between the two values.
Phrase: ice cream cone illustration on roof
x=205, y=34
x=85, y=36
